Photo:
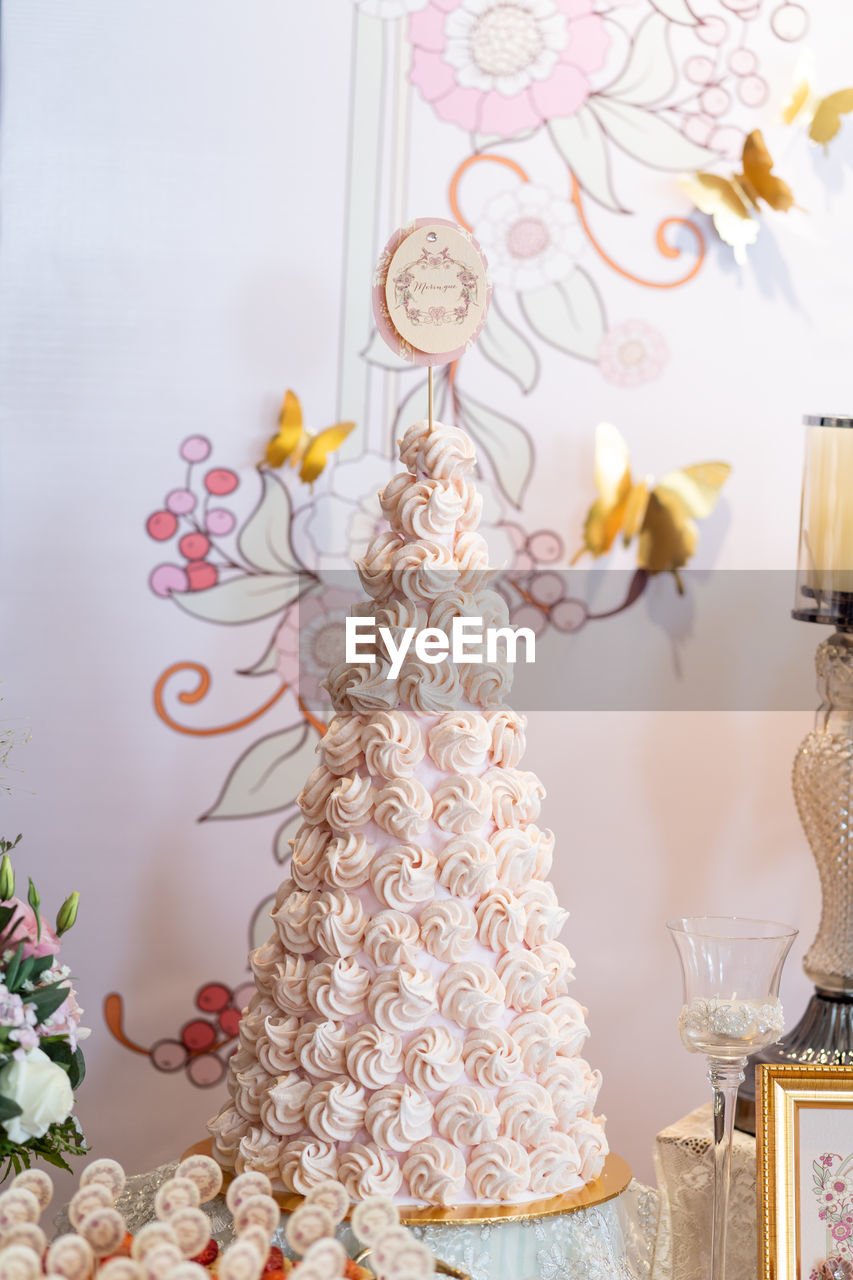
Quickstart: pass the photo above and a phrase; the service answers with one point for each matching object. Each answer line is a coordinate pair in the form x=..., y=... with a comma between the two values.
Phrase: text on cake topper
x=433, y=644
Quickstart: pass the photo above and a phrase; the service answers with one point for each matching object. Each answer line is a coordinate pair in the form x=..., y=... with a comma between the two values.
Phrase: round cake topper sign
x=431, y=291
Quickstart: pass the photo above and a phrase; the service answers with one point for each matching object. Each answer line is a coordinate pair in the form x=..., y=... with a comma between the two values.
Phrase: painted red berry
x=220, y=481
x=194, y=546
x=208, y=1255
x=161, y=526
x=201, y=574
x=229, y=1021
x=198, y=1035
x=275, y=1260
x=213, y=997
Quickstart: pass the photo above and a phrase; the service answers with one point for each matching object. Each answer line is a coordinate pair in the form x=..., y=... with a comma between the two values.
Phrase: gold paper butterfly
x=823, y=114
x=731, y=202
x=293, y=444
x=662, y=516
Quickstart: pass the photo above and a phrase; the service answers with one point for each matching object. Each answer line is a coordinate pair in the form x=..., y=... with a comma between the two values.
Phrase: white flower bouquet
x=41, y=1063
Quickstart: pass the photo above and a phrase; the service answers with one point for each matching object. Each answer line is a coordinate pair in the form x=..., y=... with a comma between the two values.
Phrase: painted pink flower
x=632, y=353
x=503, y=66
x=311, y=640
x=24, y=929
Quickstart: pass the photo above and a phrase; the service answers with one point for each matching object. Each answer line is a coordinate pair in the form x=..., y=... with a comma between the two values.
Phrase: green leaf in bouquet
x=7, y=915
x=8, y=1109
x=47, y=1000
x=40, y=965
x=13, y=969
x=77, y=1071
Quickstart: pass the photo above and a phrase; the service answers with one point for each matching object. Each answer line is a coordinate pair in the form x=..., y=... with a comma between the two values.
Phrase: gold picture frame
x=804, y=1163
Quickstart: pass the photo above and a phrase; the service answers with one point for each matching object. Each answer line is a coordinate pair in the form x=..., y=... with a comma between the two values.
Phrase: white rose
x=41, y=1089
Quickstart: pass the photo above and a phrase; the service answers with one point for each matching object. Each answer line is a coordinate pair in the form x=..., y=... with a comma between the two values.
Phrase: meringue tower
x=412, y=1033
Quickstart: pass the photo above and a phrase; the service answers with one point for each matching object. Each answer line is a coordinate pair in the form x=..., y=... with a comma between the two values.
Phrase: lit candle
x=825, y=568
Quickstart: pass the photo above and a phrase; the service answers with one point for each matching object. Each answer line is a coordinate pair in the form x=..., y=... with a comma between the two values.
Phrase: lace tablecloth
x=614, y=1241
x=684, y=1168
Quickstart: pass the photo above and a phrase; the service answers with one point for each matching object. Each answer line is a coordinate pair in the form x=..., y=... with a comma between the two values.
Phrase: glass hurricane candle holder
x=731, y=969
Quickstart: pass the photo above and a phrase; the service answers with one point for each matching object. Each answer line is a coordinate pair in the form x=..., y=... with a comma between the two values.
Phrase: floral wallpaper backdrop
x=199, y=255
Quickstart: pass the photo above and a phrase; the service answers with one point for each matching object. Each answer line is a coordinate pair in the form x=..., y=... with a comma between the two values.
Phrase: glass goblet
x=731, y=969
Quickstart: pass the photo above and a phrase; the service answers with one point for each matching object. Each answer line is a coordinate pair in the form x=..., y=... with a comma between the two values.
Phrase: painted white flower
x=389, y=8
x=41, y=1089
x=504, y=47
x=632, y=353
x=530, y=237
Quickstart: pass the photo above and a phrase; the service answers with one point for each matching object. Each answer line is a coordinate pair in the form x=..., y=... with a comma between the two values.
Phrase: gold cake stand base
x=614, y=1179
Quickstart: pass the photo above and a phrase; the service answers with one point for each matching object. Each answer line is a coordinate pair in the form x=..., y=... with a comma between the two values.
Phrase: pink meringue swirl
x=429, y=690
x=555, y=1166
x=430, y=508
x=320, y=1047
x=393, y=745
x=462, y=804
x=259, y=1008
x=500, y=920
x=423, y=569
x=374, y=1057
x=588, y=1137
x=307, y=849
x=507, y=736
x=433, y=1059
x=340, y=746
x=227, y=1128
x=276, y=1048
x=544, y=917
x=537, y=1038
x=316, y=791
x=374, y=569
x=558, y=964
x=306, y=1162
x=574, y=1089
x=527, y=1113
x=403, y=807
x=402, y=999
x=471, y=994
x=350, y=803
x=448, y=929
x=260, y=1150
x=516, y=856
x=372, y=689
x=336, y=924
x=397, y=1116
x=347, y=860
x=435, y=1171
x=523, y=976
x=290, y=987
x=334, y=1110
x=569, y=1018
x=460, y=741
x=338, y=988
x=499, y=1170
x=468, y=866
x=492, y=1057
x=403, y=875
x=282, y=1109
x=367, y=1170
x=471, y=557
x=265, y=961
x=467, y=1115
x=291, y=921
x=441, y=452
x=516, y=796
x=485, y=684
x=391, y=937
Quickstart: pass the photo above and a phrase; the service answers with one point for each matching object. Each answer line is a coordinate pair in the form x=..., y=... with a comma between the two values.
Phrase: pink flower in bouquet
x=24, y=929
x=66, y=1020
x=500, y=67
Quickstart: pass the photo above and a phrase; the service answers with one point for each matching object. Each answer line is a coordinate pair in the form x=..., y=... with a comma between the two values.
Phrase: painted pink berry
x=712, y=30
x=201, y=575
x=229, y=1021
x=220, y=481
x=168, y=1055
x=568, y=615
x=546, y=588
x=219, y=521
x=181, y=501
x=168, y=578
x=161, y=526
x=198, y=1035
x=715, y=101
x=742, y=62
x=205, y=1070
x=527, y=615
x=699, y=69
x=545, y=546
x=728, y=140
x=752, y=91
x=213, y=997
x=698, y=129
x=195, y=449
x=243, y=995
x=194, y=546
